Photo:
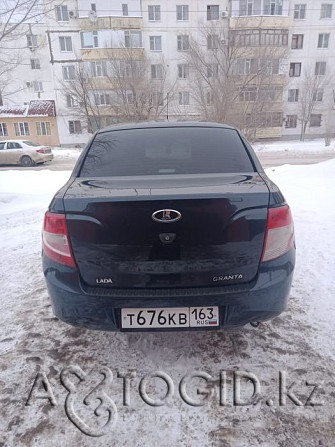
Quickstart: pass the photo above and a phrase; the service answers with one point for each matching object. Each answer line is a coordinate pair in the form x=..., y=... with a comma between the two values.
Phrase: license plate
x=171, y=317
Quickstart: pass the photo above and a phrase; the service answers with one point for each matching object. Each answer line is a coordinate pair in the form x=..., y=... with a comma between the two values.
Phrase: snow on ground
x=300, y=342
x=317, y=145
x=62, y=153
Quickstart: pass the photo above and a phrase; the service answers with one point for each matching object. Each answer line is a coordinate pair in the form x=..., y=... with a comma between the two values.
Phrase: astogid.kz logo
x=196, y=389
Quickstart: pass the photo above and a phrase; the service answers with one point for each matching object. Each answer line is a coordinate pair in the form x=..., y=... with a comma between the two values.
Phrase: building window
x=129, y=97
x=62, y=14
x=127, y=68
x=209, y=98
x=297, y=41
x=35, y=64
x=89, y=39
x=157, y=71
x=3, y=130
x=273, y=37
x=271, y=119
x=326, y=11
x=31, y=41
x=255, y=38
x=65, y=43
x=133, y=39
x=246, y=66
x=248, y=94
x=315, y=120
x=295, y=69
x=320, y=68
x=94, y=7
x=21, y=129
x=156, y=99
x=43, y=128
x=213, y=12
x=212, y=42
x=183, y=71
x=293, y=95
x=69, y=72
x=124, y=9
x=156, y=43
x=102, y=99
x=246, y=8
x=183, y=43
x=38, y=86
x=154, y=12
x=71, y=102
x=269, y=66
x=273, y=7
x=74, y=127
x=318, y=95
x=323, y=40
x=182, y=12
x=98, y=69
x=300, y=11
x=291, y=121
x=184, y=98
x=212, y=70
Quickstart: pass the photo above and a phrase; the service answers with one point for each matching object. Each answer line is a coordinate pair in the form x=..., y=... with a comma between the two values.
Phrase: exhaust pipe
x=255, y=323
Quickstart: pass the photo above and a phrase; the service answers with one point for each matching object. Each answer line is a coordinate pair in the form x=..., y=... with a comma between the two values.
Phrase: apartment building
x=105, y=62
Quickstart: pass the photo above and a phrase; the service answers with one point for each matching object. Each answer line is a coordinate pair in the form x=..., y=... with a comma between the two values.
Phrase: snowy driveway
x=296, y=347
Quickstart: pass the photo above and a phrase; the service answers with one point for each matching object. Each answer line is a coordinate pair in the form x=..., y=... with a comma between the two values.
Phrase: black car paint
x=260, y=293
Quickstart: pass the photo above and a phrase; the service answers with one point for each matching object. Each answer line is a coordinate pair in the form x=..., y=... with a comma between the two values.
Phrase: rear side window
x=166, y=151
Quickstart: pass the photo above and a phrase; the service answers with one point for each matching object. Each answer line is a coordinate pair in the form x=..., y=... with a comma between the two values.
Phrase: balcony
x=260, y=22
x=96, y=54
x=111, y=23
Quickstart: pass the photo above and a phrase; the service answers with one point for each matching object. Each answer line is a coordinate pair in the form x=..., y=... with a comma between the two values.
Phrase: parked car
x=168, y=226
x=23, y=152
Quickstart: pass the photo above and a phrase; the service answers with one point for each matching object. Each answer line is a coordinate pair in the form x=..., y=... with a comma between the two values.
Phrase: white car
x=23, y=152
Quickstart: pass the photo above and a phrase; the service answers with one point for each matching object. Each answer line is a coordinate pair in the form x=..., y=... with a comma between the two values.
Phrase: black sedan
x=168, y=226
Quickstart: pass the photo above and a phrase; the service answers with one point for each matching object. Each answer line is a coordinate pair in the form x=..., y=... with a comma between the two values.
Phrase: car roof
x=17, y=141
x=165, y=124
x=13, y=141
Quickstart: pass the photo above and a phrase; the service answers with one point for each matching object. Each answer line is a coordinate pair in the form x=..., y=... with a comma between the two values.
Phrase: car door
x=14, y=152
x=3, y=152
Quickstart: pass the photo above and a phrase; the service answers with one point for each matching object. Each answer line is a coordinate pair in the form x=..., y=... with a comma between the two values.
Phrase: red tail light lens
x=279, y=237
x=40, y=151
x=56, y=242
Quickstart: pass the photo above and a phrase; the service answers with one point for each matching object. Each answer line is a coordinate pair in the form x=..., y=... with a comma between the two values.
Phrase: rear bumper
x=100, y=309
x=42, y=158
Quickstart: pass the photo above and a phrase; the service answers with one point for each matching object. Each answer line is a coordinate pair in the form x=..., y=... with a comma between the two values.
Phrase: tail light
x=56, y=242
x=279, y=237
x=41, y=151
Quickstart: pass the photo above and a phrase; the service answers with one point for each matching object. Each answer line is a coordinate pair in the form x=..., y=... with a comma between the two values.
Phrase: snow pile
x=62, y=154
x=20, y=190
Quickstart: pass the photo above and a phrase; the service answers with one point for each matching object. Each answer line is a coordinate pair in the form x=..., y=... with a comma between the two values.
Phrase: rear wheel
x=26, y=161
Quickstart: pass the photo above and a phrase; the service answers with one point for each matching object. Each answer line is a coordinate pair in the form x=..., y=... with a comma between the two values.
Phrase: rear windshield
x=31, y=143
x=166, y=151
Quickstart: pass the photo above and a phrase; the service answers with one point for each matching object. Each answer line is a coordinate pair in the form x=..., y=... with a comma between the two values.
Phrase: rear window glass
x=166, y=151
x=31, y=143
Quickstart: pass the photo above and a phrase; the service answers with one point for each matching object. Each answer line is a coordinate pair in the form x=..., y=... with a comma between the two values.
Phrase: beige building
x=35, y=121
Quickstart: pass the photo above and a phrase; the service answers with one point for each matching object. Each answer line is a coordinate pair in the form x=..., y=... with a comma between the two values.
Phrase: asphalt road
x=268, y=159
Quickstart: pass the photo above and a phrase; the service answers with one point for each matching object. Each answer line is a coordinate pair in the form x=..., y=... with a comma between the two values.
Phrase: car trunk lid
x=217, y=240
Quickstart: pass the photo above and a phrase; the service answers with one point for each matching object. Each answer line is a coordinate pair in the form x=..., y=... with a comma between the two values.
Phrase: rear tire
x=26, y=161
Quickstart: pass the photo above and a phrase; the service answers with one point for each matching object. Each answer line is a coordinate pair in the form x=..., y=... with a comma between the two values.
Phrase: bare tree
x=79, y=92
x=312, y=85
x=233, y=82
x=123, y=89
x=15, y=18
